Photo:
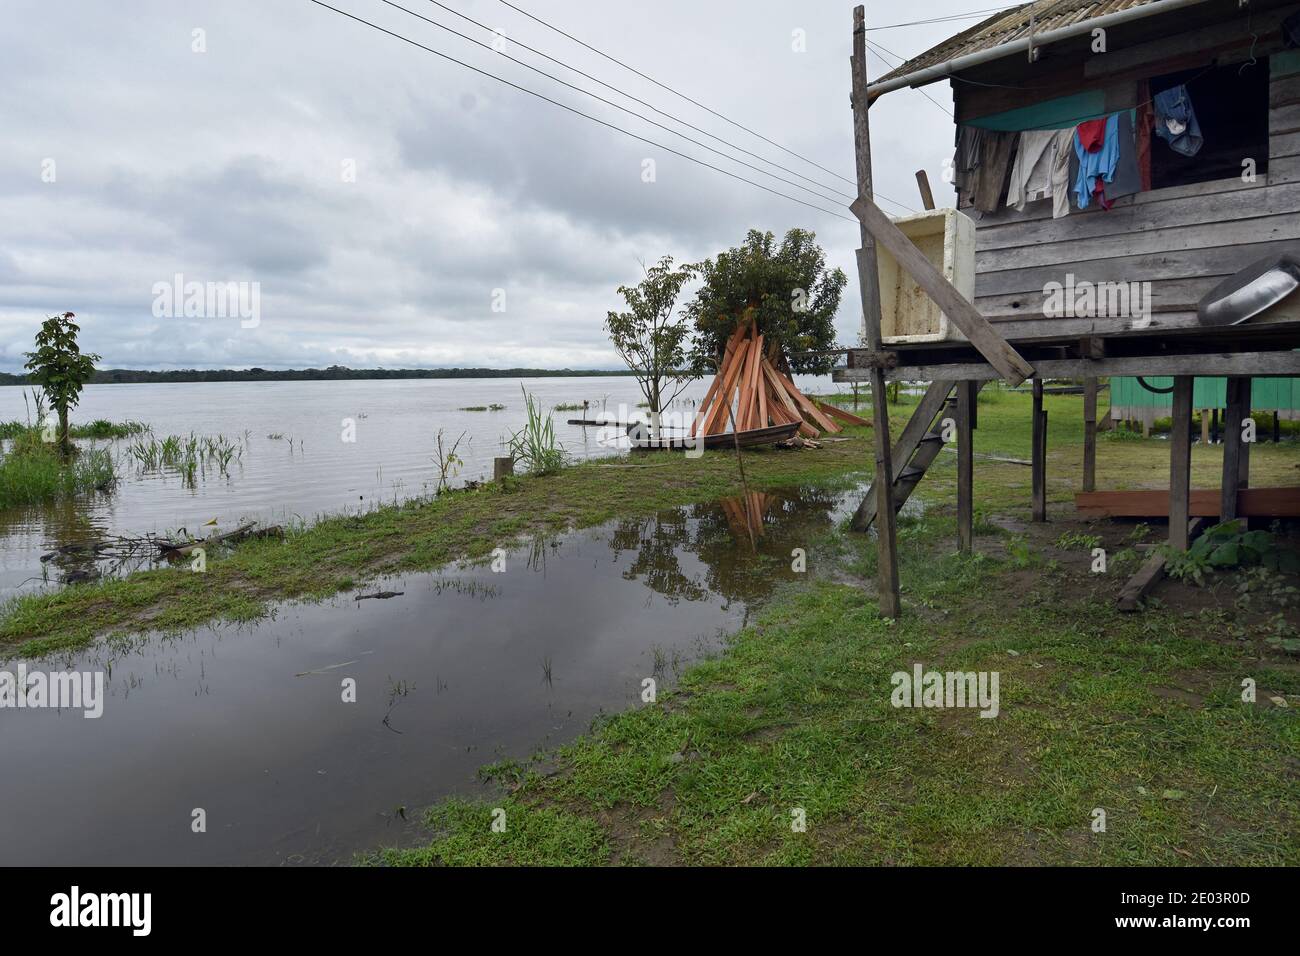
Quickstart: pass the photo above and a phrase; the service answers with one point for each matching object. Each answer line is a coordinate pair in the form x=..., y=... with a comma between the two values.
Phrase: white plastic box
x=907, y=314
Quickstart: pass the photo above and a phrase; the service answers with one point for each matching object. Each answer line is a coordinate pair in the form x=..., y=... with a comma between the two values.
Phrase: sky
x=377, y=205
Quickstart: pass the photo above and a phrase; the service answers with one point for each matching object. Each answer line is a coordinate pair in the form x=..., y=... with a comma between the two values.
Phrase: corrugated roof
x=1011, y=25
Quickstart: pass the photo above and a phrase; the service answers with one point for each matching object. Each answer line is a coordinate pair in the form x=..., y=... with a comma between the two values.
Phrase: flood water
x=464, y=668
x=296, y=462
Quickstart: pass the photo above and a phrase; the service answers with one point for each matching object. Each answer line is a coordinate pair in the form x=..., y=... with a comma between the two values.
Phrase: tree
x=793, y=296
x=60, y=367
x=649, y=339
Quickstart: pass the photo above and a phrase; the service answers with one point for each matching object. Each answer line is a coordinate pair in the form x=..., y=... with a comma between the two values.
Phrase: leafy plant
x=447, y=460
x=1071, y=540
x=60, y=367
x=649, y=339
x=1229, y=545
x=534, y=446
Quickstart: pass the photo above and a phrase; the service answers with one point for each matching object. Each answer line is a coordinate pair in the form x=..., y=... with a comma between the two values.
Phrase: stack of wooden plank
x=752, y=390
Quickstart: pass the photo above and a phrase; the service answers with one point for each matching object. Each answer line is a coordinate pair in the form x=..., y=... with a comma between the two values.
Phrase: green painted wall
x=1053, y=114
x=1265, y=393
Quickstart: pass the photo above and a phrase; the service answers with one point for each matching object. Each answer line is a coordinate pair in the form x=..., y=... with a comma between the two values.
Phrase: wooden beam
x=965, y=466
x=1149, y=575
x=888, y=597
x=1038, y=442
x=1090, y=434
x=1259, y=364
x=834, y=411
x=1201, y=503
x=1180, y=463
x=962, y=313
x=923, y=184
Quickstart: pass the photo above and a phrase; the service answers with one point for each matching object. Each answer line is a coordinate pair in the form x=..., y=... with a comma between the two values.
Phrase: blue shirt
x=1101, y=163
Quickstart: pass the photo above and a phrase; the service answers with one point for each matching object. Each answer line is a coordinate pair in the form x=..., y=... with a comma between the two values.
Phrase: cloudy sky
x=380, y=196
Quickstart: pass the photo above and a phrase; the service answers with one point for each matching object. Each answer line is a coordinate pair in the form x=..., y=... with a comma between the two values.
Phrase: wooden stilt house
x=1128, y=172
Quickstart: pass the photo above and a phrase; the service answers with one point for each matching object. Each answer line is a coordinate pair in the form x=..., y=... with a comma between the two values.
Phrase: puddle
x=458, y=670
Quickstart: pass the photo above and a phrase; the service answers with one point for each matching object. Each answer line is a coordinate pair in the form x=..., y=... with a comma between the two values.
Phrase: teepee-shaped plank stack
x=752, y=390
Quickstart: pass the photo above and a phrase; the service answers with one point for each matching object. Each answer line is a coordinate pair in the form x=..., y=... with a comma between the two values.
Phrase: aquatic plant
x=447, y=461
x=188, y=455
x=34, y=471
x=534, y=446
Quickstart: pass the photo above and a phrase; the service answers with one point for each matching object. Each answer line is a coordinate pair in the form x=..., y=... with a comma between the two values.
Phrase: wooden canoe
x=639, y=435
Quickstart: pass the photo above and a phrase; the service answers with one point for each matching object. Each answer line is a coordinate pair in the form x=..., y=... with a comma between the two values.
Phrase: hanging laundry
x=1064, y=149
x=1176, y=121
x=965, y=164
x=1096, y=145
x=1031, y=173
x=997, y=152
x=1127, y=178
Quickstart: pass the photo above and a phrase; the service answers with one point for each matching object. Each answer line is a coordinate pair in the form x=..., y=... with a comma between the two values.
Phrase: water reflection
x=451, y=671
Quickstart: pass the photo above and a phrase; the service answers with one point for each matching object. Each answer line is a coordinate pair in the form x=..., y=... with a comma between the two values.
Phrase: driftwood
x=180, y=549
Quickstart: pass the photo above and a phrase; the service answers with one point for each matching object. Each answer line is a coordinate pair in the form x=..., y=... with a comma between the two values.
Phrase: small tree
x=793, y=295
x=649, y=339
x=60, y=367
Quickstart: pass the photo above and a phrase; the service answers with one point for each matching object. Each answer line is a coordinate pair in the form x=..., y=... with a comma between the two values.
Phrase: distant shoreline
x=335, y=373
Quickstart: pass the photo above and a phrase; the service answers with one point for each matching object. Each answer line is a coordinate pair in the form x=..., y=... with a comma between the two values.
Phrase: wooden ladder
x=918, y=447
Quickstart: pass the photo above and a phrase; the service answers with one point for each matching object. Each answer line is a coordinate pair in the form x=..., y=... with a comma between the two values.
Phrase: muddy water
x=462, y=669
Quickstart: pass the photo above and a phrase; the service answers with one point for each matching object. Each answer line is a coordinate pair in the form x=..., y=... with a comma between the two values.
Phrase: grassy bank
x=1139, y=716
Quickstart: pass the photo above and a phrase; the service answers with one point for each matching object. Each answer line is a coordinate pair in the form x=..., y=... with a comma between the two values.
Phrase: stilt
x=1039, y=457
x=868, y=282
x=1277, y=426
x=1180, y=462
x=1214, y=426
x=966, y=392
x=1234, y=449
x=1205, y=426
x=1090, y=434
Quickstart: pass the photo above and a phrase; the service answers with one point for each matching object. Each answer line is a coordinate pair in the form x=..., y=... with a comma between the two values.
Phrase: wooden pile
x=759, y=394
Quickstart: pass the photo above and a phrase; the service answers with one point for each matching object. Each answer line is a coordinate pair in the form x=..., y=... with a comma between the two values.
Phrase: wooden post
x=1234, y=449
x=965, y=466
x=1214, y=426
x=869, y=288
x=501, y=467
x=1038, y=472
x=1180, y=462
x=1090, y=434
x=923, y=184
x=1243, y=464
x=1205, y=426
x=1277, y=425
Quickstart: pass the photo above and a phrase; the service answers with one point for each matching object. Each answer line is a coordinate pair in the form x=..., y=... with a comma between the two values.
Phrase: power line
x=880, y=49
x=952, y=16
x=578, y=112
x=664, y=86
x=630, y=112
x=635, y=99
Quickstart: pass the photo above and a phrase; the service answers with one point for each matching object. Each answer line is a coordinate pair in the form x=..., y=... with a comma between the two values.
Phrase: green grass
x=99, y=428
x=32, y=472
x=796, y=715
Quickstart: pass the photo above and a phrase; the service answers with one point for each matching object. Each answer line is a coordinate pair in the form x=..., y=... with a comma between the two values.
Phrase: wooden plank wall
x=1183, y=240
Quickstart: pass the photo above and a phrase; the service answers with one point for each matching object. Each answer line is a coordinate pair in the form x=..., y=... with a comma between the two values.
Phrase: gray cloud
x=227, y=166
